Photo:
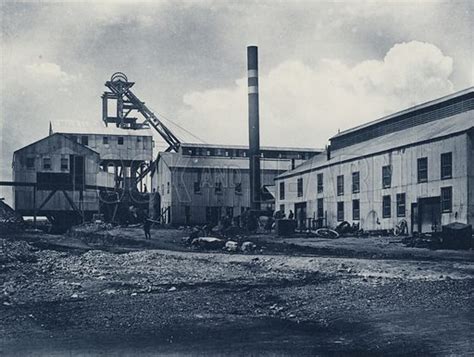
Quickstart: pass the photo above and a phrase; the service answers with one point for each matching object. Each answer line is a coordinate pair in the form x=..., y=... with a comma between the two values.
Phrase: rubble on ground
x=16, y=251
x=10, y=221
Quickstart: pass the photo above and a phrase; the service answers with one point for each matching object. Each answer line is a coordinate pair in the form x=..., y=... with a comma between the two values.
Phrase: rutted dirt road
x=188, y=303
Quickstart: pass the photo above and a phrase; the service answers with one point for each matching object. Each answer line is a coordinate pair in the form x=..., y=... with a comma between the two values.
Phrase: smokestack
x=254, y=130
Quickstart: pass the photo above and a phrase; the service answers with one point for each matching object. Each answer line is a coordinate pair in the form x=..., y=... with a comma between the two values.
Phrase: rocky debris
x=248, y=247
x=10, y=221
x=208, y=243
x=16, y=251
x=231, y=246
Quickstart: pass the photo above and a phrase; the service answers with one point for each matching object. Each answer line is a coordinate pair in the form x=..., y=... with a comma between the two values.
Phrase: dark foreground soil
x=157, y=302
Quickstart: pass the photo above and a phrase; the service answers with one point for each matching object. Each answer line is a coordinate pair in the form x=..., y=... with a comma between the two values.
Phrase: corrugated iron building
x=416, y=165
x=202, y=182
x=64, y=176
x=80, y=169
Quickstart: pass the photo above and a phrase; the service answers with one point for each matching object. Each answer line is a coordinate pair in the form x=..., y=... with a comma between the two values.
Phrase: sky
x=323, y=66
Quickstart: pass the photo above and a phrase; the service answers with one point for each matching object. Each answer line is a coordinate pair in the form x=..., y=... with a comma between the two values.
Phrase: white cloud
x=49, y=71
x=304, y=105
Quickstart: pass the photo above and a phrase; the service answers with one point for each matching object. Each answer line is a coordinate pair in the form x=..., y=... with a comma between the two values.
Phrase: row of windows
x=244, y=153
x=47, y=163
x=217, y=188
x=446, y=205
x=422, y=176
x=84, y=139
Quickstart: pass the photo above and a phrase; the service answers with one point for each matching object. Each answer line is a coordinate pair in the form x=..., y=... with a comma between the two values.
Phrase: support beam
x=51, y=194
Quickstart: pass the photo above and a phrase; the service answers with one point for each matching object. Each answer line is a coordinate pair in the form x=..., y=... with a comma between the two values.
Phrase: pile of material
x=10, y=221
x=13, y=252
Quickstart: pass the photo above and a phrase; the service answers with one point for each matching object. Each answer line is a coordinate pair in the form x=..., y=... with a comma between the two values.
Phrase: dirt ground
x=112, y=293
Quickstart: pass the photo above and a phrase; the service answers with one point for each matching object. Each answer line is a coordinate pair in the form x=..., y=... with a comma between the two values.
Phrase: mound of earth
x=10, y=221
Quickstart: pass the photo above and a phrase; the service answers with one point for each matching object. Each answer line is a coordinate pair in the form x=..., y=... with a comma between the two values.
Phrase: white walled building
x=202, y=182
x=417, y=165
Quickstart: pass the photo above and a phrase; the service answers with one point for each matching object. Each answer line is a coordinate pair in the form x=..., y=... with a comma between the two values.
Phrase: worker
x=147, y=227
x=291, y=215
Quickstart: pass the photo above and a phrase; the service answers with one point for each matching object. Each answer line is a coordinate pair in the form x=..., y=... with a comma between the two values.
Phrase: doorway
x=426, y=214
x=300, y=215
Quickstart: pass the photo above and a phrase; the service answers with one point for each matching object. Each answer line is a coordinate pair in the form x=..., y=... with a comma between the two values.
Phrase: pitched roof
x=455, y=124
x=176, y=160
x=93, y=127
x=415, y=108
x=57, y=135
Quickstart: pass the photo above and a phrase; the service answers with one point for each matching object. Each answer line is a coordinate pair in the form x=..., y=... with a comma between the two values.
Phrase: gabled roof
x=454, y=125
x=49, y=137
x=93, y=127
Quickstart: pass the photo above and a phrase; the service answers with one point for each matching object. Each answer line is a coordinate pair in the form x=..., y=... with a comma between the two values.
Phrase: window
x=84, y=140
x=320, y=208
x=446, y=166
x=387, y=207
x=187, y=214
x=355, y=210
x=30, y=162
x=355, y=182
x=46, y=163
x=340, y=211
x=197, y=187
x=238, y=188
x=300, y=187
x=74, y=138
x=282, y=208
x=120, y=140
x=386, y=176
x=64, y=163
x=197, y=183
x=167, y=187
x=282, y=190
x=105, y=140
x=401, y=205
x=218, y=187
x=446, y=199
x=422, y=168
x=340, y=185
x=320, y=183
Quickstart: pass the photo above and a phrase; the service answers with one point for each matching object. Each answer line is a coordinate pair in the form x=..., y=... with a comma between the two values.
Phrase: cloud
x=49, y=71
x=304, y=104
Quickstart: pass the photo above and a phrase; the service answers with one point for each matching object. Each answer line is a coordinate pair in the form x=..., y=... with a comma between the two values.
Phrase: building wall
x=404, y=180
x=134, y=147
x=183, y=194
x=160, y=183
x=55, y=148
x=470, y=165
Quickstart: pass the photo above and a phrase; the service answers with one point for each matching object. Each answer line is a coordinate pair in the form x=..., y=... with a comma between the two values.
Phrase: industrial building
x=58, y=177
x=124, y=152
x=68, y=175
x=415, y=165
x=201, y=182
x=105, y=170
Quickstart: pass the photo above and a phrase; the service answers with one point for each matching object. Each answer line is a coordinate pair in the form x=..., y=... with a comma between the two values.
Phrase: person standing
x=147, y=227
x=291, y=215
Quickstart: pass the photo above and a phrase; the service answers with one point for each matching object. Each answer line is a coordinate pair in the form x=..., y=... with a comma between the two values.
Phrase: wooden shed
x=59, y=178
